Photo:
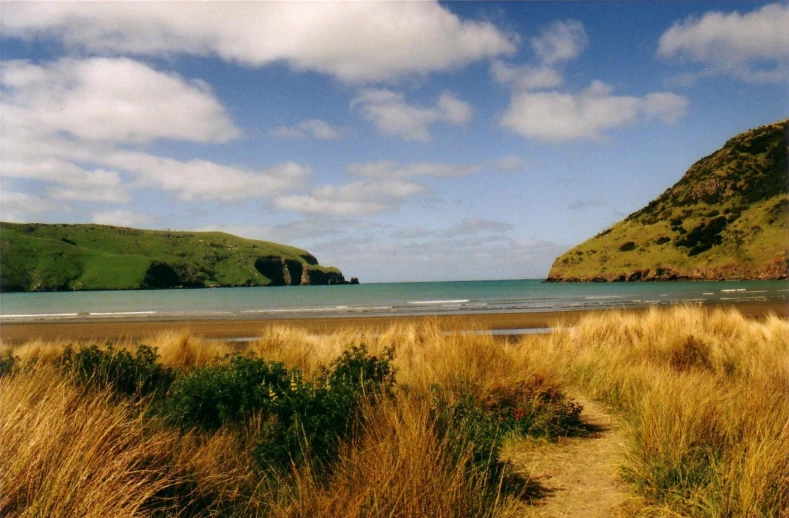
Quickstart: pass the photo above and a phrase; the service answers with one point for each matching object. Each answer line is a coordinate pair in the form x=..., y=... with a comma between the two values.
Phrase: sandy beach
x=136, y=329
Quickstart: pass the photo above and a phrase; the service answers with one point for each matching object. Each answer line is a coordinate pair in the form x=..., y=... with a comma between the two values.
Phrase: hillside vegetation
x=40, y=257
x=727, y=218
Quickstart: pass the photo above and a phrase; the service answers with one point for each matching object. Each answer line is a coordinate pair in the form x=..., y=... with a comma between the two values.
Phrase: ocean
x=381, y=299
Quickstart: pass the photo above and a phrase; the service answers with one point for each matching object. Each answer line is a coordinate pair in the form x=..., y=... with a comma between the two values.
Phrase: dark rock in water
x=354, y=280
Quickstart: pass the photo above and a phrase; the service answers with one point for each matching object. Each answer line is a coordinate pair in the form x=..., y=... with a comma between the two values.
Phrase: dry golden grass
x=703, y=396
x=60, y=442
x=67, y=453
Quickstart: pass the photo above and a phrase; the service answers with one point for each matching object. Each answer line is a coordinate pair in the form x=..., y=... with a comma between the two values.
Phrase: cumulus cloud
x=344, y=39
x=73, y=183
x=508, y=163
x=388, y=169
x=561, y=41
x=753, y=47
x=67, y=124
x=526, y=77
x=22, y=207
x=121, y=218
x=559, y=117
x=315, y=128
x=113, y=100
x=206, y=180
x=393, y=115
x=353, y=199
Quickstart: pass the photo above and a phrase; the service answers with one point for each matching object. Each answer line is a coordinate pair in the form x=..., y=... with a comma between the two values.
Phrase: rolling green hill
x=727, y=218
x=39, y=257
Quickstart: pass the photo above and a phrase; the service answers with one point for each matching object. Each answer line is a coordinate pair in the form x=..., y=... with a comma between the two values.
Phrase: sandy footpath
x=231, y=328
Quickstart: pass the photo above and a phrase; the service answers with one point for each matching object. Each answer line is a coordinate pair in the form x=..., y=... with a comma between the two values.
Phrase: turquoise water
x=423, y=298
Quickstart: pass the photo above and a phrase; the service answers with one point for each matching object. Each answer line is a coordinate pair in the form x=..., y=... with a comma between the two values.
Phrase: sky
x=398, y=141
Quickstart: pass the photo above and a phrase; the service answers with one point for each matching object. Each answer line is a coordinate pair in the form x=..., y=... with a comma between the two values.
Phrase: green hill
x=725, y=219
x=39, y=257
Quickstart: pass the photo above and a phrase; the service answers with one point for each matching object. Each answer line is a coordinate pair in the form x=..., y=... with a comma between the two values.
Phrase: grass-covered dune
x=410, y=422
x=43, y=257
x=727, y=218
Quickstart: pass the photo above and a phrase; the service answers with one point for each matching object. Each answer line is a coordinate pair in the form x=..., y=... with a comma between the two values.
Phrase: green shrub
x=8, y=363
x=137, y=374
x=520, y=410
x=301, y=419
x=228, y=391
x=627, y=247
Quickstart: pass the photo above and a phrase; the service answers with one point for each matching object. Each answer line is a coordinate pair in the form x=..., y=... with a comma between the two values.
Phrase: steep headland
x=41, y=257
x=727, y=218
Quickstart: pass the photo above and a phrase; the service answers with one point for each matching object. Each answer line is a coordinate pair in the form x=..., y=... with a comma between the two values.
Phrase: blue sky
x=399, y=141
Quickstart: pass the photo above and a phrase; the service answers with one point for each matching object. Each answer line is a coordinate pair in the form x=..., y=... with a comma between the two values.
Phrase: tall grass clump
x=704, y=394
x=407, y=423
x=65, y=452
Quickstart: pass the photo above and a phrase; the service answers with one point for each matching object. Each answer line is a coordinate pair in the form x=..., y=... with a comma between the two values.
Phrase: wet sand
x=236, y=328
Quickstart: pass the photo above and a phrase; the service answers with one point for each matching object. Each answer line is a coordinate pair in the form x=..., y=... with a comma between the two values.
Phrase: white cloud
x=508, y=163
x=21, y=207
x=205, y=180
x=353, y=199
x=344, y=39
x=121, y=218
x=388, y=169
x=665, y=106
x=392, y=115
x=526, y=77
x=315, y=128
x=559, y=117
x=562, y=41
x=753, y=46
x=74, y=182
x=113, y=100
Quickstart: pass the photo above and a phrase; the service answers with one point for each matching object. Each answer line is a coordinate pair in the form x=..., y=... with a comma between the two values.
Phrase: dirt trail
x=578, y=476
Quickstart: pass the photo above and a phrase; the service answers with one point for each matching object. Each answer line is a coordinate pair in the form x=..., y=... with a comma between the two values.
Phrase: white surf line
x=458, y=301
x=120, y=313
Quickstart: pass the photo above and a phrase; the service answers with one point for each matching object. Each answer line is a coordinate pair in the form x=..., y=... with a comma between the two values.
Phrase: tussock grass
x=65, y=452
x=704, y=395
x=426, y=446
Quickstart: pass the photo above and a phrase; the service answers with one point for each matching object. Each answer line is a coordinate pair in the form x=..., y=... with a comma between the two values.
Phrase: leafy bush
x=300, y=418
x=137, y=374
x=8, y=363
x=518, y=410
x=228, y=391
x=663, y=240
x=627, y=247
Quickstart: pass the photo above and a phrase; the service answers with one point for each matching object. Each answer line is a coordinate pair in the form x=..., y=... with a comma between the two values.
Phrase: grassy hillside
x=39, y=257
x=725, y=219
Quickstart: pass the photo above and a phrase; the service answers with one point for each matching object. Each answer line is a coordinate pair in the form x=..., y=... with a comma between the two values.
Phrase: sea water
x=377, y=299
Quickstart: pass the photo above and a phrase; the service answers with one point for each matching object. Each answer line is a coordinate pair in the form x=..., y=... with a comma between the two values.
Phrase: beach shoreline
x=235, y=327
